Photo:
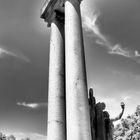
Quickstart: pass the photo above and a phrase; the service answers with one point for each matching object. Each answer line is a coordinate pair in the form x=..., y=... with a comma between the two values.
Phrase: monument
x=68, y=109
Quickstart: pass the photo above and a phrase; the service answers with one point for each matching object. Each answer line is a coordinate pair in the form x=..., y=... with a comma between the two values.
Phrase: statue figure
x=92, y=102
x=109, y=127
x=100, y=122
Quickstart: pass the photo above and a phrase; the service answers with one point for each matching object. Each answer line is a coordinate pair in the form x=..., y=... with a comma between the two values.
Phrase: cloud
x=4, y=52
x=126, y=95
x=106, y=100
x=137, y=54
x=32, y=105
x=90, y=25
x=126, y=98
x=118, y=50
x=32, y=136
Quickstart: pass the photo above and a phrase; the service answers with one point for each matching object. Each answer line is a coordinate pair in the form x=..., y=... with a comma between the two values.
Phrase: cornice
x=52, y=9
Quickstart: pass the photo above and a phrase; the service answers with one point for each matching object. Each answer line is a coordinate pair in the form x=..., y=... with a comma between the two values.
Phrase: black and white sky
x=112, y=47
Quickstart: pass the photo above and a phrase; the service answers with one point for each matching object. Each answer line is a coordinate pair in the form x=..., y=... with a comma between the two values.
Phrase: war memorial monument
x=71, y=115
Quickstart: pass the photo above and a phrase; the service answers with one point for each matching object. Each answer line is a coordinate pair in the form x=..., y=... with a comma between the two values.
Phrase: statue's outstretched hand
x=122, y=105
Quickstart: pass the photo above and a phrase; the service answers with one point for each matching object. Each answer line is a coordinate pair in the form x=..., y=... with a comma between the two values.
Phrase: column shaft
x=77, y=108
x=56, y=93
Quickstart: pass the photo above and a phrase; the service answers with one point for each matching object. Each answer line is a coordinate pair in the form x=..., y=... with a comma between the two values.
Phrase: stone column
x=77, y=108
x=56, y=94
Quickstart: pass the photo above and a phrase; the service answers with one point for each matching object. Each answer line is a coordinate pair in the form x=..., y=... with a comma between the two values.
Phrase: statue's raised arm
x=120, y=115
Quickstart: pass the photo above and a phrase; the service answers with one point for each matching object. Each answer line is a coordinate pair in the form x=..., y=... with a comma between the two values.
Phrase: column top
x=50, y=7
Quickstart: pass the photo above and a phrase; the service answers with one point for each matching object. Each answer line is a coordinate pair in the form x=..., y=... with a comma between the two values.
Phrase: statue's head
x=103, y=106
x=106, y=114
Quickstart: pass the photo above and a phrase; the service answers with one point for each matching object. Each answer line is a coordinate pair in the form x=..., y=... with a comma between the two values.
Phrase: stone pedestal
x=56, y=94
x=77, y=108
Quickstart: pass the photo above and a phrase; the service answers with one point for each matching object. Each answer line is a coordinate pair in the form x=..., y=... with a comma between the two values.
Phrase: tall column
x=77, y=108
x=56, y=93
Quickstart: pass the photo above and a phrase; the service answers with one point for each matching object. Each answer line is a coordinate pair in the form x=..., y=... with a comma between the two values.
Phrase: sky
x=111, y=38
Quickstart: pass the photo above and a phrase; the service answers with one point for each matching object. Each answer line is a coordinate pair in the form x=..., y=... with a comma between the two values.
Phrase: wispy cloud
x=118, y=50
x=4, y=52
x=137, y=54
x=32, y=105
x=90, y=25
x=126, y=98
x=106, y=100
x=126, y=95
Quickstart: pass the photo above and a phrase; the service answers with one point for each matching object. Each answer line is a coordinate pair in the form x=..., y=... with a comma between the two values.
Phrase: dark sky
x=111, y=36
x=24, y=44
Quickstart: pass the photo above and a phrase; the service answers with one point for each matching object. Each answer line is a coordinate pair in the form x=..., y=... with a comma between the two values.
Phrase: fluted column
x=77, y=108
x=56, y=94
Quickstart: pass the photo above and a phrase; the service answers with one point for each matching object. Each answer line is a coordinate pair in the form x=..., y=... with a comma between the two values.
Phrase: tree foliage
x=129, y=128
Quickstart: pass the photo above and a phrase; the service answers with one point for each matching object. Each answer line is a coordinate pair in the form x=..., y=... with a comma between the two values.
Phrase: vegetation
x=129, y=128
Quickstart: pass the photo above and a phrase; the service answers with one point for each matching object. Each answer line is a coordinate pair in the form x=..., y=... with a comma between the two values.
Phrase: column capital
x=76, y=5
x=53, y=10
x=75, y=1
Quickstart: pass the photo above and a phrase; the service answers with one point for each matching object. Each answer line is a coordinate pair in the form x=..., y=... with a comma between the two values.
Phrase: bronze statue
x=109, y=127
x=101, y=124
